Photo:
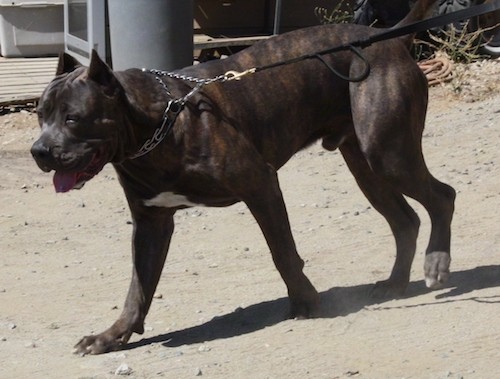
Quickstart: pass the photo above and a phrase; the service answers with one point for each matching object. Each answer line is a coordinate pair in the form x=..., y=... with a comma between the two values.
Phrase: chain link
x=168, y=121
x=187, y=78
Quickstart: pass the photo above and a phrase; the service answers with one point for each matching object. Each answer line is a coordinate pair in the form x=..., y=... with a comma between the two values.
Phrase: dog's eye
x=71, y=120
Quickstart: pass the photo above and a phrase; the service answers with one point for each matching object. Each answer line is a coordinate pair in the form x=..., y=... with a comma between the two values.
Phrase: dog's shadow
x=337, y=301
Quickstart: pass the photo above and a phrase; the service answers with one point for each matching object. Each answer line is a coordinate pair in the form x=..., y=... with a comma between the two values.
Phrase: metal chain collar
x=200, y=82
x=175, y=106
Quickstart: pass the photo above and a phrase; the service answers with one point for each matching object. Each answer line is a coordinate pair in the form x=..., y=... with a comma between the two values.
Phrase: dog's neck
x=146, y=103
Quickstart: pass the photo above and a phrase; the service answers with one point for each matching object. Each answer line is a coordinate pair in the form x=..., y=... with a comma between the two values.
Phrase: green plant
x=461, y=46
x=338, y=15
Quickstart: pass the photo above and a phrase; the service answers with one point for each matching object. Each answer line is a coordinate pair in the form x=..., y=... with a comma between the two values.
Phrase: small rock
x=352, y=373
x=198, y=372
x=118, y=355
x=31, y=344
x=123, y=369
x=158, y=295
x=11, y=326
x=203, y=348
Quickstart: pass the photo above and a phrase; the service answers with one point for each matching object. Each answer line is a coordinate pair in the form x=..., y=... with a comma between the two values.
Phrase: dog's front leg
x=268, y=207
x=153, y=228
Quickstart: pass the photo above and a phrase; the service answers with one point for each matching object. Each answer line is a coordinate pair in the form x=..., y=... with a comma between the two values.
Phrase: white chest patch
x=169, y=200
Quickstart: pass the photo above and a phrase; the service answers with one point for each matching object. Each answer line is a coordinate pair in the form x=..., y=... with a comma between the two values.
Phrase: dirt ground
x=219, y=310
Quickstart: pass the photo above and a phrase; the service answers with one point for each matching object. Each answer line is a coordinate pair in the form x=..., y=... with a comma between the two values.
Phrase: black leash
x=415, y=27
x=175, y=106
x=431, y=23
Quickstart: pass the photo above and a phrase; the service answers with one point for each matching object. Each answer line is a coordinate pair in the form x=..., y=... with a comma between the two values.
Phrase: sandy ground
x=219, y=310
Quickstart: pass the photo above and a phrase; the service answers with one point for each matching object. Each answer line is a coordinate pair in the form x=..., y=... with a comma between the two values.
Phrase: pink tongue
x=64, y=182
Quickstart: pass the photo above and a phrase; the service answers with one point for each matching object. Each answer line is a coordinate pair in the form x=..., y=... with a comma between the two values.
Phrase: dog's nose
x=41, y=152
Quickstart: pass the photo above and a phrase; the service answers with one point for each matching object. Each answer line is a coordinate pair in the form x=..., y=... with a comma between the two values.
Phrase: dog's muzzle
x=72, y=169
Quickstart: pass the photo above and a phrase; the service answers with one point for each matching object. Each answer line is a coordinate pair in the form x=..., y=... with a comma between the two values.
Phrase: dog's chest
x=169, y=200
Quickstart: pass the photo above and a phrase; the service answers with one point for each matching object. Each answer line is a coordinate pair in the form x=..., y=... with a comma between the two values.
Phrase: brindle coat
x=230, y=139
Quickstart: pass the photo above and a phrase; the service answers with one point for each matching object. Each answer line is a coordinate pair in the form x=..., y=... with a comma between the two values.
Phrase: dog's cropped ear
x=100, y=73
x=66, y=64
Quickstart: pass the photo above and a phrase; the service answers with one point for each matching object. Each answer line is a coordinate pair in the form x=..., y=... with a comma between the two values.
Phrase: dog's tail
x=421, y=10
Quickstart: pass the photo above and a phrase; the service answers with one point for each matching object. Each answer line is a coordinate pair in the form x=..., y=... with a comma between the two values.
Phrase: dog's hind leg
x=438, y=199
x=402, y=219
x=390, y=136
x=399, y=161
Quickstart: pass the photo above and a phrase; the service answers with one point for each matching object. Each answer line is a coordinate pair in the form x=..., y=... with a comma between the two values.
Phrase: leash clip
x=237, y=75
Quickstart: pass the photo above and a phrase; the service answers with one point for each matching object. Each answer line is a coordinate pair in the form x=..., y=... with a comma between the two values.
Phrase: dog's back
x=305, y=86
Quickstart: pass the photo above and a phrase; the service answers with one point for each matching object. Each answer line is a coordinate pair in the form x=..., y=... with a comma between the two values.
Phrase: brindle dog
x=230, y=138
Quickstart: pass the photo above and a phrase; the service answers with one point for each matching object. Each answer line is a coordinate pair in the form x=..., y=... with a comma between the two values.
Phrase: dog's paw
x=437, y=269
x=304, y=309
x=99, y=344
x=388, y=289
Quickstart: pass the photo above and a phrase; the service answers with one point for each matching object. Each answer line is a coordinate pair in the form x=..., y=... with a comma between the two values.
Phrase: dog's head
x=77, y=115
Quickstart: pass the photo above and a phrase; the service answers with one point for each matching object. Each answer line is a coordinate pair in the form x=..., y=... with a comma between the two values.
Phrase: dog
x=226, y=143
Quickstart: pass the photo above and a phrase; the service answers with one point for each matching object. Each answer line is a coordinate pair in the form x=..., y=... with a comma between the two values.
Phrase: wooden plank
x=26, y=71
x=202, y=41
x=26, y=88
x=23, y=80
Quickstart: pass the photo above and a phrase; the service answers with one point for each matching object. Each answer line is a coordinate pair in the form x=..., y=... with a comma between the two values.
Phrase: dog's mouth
x=66, y=181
